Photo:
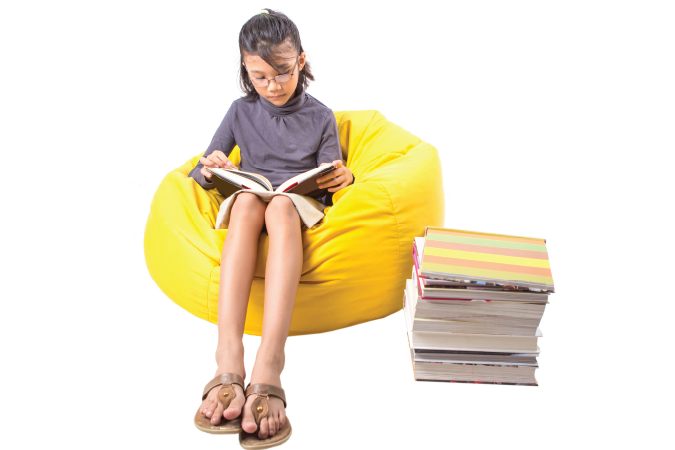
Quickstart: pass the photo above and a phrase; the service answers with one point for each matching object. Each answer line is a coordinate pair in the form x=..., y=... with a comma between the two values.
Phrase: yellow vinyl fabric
x=356, y=260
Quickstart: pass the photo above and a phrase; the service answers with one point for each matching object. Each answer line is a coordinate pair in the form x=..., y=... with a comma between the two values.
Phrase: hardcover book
x=497, y=258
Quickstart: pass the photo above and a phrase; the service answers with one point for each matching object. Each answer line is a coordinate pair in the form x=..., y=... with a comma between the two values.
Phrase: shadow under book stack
x=473, y=306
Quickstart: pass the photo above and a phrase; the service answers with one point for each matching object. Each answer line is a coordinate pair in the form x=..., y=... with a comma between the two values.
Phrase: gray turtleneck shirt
x=277, y=142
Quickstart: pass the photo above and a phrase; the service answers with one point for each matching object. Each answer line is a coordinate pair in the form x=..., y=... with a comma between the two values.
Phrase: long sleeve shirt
x=277, y=142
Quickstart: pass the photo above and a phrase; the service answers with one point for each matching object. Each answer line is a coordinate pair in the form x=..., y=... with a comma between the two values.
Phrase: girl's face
x=276, y=93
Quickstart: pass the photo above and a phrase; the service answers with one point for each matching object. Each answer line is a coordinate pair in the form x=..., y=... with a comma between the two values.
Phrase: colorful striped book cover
x=498, y=258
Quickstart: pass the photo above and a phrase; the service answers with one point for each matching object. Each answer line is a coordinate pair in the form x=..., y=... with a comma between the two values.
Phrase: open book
x=229, y=181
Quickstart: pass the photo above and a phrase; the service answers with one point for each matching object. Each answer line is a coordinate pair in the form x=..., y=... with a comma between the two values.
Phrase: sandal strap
x=223, y=379
x=266, y=389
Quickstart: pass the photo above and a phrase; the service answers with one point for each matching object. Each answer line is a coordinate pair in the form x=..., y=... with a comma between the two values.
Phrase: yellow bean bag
x=356, y=260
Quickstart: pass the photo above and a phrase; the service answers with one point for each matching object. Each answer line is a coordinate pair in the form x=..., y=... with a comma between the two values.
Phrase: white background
x=552, y=119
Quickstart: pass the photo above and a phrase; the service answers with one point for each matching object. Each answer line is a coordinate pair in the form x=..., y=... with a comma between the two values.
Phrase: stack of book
x=473, y=306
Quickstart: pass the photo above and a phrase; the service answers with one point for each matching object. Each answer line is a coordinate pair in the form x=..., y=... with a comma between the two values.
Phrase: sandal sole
x=272, y=444
x=226, y=428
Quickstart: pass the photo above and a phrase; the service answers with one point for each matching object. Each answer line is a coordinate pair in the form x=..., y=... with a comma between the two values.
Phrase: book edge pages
x=509, y=343
x=478, y=363
x=459, y=294
x=252, y=176
x=454, y=276
x=490, y=328
x=494, y=375
x=477, y=382
x=262, y=181
x=472, y=336
x=490, y=296
x=476, y=349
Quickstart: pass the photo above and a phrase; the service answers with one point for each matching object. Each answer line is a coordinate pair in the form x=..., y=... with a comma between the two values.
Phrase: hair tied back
x=267, y=38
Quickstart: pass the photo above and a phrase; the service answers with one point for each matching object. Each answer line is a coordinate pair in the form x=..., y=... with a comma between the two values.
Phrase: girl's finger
x=215, y=160
x=224, y=162
x=207, y=162
x=222, y=159
x=327, y=183
x=336, y=181
x=206, y=173
x=334, y=174
x=337, y=188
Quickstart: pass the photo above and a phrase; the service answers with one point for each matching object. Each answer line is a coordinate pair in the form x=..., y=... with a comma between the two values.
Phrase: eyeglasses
x=283, y=78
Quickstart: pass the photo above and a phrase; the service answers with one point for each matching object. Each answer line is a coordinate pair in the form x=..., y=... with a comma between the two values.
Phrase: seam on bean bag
x=398, y=234
x=351, y=144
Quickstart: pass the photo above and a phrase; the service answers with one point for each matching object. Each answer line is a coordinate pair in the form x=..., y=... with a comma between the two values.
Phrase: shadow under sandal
x=225, y=396
x=259, y=409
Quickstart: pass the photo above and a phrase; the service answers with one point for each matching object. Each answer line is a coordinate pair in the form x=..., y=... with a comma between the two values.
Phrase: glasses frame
x=297, y=58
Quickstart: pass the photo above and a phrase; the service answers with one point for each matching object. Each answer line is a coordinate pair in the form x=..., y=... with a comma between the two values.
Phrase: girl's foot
x=229, y=359
x=267, y=369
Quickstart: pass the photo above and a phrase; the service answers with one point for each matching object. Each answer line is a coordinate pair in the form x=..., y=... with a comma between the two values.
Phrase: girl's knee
x=279, y=204
x=249, y=201
x=247, y=204
x=281, y=208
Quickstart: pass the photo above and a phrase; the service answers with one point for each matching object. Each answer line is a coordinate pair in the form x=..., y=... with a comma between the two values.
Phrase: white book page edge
x=232, y=175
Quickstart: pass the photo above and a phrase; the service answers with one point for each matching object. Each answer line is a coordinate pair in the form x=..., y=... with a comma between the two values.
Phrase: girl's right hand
x=216, y=159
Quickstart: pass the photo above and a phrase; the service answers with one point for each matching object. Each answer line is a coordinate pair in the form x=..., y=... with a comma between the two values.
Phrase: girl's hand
x=216, y=159
x=338, y=179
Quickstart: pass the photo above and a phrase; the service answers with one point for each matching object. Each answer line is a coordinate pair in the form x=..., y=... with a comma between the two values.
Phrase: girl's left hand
x=340, y=178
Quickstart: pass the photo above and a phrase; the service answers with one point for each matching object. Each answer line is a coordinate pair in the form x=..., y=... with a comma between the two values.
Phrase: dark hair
x=263, y=35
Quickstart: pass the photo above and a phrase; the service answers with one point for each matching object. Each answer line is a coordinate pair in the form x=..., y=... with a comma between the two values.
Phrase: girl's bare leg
x=237, y=265
x=282, y=275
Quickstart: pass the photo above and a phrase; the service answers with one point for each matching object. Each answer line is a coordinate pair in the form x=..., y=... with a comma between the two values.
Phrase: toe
x=248, y=422
x=264, y=429
x=208, y=409
x=282, y=418
x=234, y=410
x=273, y=425
x=202, y=407
x=217, y=414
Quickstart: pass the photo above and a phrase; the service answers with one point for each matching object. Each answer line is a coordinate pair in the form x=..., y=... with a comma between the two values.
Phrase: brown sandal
x=225, y=396
x=259, y=410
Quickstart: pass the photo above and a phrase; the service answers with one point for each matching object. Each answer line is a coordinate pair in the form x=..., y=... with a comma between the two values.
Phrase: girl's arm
x=223, y=141
x=330, y=150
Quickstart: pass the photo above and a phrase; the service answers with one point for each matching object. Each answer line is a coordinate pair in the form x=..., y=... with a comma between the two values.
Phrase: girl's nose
x=273, y=86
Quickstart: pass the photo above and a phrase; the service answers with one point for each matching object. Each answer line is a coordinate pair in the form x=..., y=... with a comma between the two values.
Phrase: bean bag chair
x=356, y=260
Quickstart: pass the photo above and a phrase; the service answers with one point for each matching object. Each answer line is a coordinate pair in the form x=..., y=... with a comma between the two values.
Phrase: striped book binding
x=496, y=258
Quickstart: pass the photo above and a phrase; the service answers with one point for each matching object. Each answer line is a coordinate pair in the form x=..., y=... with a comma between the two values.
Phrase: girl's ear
x=301, y=60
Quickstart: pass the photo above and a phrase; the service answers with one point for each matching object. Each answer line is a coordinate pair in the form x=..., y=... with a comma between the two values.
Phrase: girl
x=281, y=131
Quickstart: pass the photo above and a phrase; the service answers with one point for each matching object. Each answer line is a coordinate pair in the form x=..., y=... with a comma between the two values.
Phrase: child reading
x=281, y=131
